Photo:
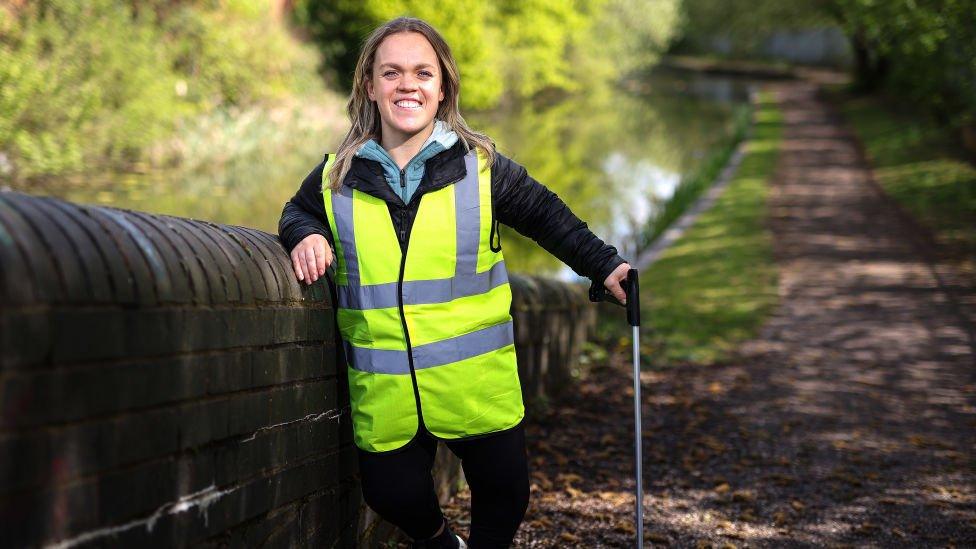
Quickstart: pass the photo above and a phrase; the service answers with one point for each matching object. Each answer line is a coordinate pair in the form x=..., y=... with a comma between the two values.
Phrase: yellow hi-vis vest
x=427, y=334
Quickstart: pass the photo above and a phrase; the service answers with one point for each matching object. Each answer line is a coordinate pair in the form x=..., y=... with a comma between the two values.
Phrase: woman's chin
x=410, y=128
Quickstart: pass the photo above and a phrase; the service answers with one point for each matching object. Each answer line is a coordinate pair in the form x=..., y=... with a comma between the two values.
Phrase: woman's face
x=406, y=86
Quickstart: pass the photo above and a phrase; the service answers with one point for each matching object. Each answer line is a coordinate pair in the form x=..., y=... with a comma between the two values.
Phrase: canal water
x=614, y=155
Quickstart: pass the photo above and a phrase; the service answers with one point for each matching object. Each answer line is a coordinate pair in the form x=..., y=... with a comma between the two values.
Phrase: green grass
x=920, y=165
x=696, y=183
x=715, y=286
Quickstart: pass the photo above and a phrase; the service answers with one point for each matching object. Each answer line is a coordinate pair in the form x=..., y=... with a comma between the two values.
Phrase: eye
x=389, y=74
x=426, y=74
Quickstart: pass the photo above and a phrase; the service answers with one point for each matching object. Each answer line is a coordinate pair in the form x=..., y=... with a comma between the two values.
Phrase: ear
x=441, y=95
x=369, y=89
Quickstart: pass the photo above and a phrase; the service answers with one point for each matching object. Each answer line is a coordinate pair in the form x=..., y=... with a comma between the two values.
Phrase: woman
x=412, y=202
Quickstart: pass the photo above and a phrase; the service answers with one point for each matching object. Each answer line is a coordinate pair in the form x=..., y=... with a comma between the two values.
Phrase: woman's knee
x=397, y=492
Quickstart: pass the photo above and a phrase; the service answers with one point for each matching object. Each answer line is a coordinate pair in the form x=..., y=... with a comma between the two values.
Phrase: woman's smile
x=408, y=104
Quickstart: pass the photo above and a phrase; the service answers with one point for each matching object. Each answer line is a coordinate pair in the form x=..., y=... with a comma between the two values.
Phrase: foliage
x=74, y=74
x=90, y=84
x=924, y=50
x=236, y=55
x=745, y=22
x=507, y=48
x=340, y=27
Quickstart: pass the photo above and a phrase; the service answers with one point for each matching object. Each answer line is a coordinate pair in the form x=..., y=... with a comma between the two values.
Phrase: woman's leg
x=399, y=487
x=496, y=468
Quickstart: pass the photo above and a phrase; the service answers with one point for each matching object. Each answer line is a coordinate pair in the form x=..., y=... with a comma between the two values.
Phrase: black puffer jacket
x=519, y=201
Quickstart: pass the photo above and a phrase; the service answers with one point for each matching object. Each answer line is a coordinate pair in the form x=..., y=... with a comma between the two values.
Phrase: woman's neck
x=403, y=148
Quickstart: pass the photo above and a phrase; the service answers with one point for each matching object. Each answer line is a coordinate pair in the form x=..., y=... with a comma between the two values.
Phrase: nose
x=407, y=82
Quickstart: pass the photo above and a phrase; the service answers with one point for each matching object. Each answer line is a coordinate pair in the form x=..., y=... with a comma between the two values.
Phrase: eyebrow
x=395, y=66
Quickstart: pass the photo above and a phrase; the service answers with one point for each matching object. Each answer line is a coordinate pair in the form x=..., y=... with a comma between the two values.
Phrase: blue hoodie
x=441, y=139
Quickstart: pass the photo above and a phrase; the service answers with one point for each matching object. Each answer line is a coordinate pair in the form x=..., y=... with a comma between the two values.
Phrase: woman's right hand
x=311, y=257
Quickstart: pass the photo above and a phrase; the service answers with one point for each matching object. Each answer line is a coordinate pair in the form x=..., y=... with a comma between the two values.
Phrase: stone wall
x=165, y=381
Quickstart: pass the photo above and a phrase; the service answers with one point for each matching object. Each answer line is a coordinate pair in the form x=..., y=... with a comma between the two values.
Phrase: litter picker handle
x=599, y=292
x=632, y=287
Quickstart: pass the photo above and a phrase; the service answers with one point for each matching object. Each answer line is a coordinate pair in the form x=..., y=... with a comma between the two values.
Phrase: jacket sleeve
x=533, y=210
x=305, y=214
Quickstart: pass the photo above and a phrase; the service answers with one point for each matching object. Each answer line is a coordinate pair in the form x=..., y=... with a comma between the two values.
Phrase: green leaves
x=91, y=84
x=508, y=48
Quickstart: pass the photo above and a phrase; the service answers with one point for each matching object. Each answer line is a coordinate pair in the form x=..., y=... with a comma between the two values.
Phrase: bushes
x=514, y=48
x=924, y=52
x=91, y=84
x=76, y=77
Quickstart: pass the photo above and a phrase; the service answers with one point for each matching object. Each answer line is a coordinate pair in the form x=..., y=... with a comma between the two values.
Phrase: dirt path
x=850, y=420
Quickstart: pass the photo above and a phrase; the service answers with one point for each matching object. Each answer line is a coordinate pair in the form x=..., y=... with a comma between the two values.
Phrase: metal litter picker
x=598, y=292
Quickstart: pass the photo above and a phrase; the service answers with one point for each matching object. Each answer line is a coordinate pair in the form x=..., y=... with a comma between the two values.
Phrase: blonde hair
x=365, y=115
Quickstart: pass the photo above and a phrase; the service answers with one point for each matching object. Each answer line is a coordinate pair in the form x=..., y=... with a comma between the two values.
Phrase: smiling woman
x=410, y=203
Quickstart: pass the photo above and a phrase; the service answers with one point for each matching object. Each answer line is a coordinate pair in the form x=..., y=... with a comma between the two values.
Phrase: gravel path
x=849, y=421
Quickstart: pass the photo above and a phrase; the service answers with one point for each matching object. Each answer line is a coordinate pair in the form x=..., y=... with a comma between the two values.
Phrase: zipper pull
x=403, y=179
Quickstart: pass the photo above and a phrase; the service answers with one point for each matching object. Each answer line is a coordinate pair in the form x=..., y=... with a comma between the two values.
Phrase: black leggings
x=399, y=487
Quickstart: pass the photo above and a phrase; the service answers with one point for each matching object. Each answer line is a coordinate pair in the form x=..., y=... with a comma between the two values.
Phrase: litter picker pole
x=598, y=293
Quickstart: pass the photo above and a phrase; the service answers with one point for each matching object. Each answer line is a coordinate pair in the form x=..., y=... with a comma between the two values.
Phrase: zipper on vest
x=403, y=316
x=406, y=337
x=403, y=236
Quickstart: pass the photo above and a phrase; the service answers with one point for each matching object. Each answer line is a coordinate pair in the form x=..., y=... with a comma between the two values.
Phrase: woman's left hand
x=613, y=282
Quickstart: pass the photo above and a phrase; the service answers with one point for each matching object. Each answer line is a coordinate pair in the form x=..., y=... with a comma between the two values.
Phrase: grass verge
x=698, y=182
x=919, y=164
x=715, y=286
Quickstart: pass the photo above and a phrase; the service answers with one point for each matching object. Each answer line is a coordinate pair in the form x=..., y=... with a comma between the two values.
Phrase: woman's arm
x=530, y=208
x=305, y=214
x=304, y=229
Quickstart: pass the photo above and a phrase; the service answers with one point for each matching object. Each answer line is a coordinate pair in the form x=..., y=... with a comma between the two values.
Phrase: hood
x=441, y=139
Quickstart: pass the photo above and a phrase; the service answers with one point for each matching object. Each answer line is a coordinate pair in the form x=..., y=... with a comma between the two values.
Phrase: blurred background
x=216, y=109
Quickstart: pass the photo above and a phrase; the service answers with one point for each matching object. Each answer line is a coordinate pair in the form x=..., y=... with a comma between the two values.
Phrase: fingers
x=311, y=267
x=311, y=257
x=618, y=291
x=329, y=258
x=613, y=282
x=323, y=256
x=296, y=263
x=320, y=258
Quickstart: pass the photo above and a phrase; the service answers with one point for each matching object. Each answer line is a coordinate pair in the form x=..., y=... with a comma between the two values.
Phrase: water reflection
x=614, y=155
x=650, y=187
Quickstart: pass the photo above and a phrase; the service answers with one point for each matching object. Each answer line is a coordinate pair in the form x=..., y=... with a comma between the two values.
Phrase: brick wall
x=165, y=381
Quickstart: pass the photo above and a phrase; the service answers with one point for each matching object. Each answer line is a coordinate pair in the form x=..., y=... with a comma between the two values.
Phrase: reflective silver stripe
x=467, y=214
x=376, y=296
x=342, y=207
x=462, y=347
x=377, y=361
x=419, y=292
x=381, y=361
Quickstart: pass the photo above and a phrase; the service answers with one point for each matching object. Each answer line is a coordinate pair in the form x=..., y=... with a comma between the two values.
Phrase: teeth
x=408, y=104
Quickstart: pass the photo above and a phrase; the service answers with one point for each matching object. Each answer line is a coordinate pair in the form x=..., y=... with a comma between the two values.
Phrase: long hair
x=365, y=115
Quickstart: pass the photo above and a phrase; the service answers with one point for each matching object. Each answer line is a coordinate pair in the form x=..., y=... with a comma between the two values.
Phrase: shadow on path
x=849, y=420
